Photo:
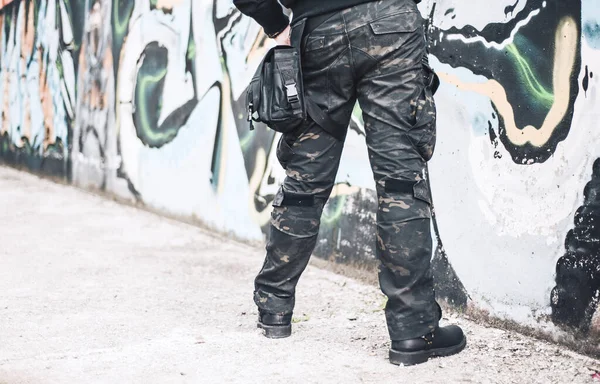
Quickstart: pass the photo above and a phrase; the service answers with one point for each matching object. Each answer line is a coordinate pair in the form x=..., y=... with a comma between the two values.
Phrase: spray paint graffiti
x=575, y=297
x=156, y=94
x=94, y=140
x=38, y=84
x=520, y=68
x=532, y=80
x=145, y=99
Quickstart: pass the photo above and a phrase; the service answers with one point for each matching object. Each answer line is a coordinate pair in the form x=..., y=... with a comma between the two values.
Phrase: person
x=373, y=52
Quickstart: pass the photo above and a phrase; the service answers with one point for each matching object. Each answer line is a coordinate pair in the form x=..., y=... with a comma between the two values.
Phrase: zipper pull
x=249, y=118
x=249, y=111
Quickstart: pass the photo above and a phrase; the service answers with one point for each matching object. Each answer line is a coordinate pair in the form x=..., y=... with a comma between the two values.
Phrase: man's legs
x=311, y=159
x=399, y=112
x=399, y=115
x=311, y=163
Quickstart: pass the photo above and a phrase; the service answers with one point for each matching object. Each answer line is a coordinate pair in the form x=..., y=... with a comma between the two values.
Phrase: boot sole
x=413, y=358
x=275, y=331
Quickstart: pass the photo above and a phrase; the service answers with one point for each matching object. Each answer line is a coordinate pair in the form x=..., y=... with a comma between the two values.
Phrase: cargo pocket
x=284, y=151
x=285, y=147
x=296, y=214
x=391, y=32
x=404, y=200
x=421, y=191
x=401, y=22
x=423, y=133
x=418, y=189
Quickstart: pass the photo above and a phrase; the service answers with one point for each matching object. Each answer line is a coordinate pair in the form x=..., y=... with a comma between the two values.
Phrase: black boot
x=275, y=325
x=444, y=341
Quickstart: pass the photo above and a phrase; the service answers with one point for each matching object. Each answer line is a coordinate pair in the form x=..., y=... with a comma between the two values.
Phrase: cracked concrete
x=96, y=292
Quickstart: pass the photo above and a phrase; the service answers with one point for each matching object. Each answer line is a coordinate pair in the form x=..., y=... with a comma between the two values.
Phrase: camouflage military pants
x=371, y=53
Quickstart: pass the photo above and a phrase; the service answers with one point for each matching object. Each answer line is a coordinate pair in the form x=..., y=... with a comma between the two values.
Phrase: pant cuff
x=408, y=331
x=271, y=303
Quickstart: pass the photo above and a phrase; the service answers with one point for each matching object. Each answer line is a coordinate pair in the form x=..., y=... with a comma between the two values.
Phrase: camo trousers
x=371, y=53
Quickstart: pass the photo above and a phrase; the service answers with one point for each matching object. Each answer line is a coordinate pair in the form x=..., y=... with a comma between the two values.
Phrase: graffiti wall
x=144, y=99
x=518, y=139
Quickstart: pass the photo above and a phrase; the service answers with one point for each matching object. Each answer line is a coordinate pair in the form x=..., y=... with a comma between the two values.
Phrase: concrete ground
x=95, y=292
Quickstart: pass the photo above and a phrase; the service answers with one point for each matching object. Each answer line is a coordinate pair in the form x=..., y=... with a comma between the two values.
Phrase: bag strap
x=432, y=81
x=288, y=74
x=324, y=121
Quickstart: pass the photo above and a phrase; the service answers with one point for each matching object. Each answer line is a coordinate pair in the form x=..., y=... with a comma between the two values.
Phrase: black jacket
x=269, y=14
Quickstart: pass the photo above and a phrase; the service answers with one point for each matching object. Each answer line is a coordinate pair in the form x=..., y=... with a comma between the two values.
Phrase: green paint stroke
x=357, y=112
x=330, y=216
x=191, y=49
x=121, y=19
x=246, y=140
x=149, y=97
x=541, y=93
x=150, y=85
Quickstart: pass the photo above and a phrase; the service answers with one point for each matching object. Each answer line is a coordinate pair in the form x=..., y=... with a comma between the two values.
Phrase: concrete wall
x=144, y=99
